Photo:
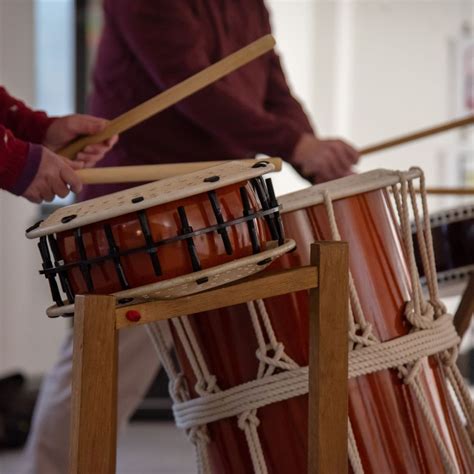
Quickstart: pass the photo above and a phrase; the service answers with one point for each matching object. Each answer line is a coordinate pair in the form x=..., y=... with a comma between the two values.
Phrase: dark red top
x=20, y=129
x=148, y=46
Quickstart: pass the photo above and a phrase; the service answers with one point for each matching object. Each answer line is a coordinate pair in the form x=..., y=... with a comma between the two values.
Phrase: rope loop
x=278, y=359
x=449, y=356
x=362, y=336
x=178, y=387
x=206, y=385
x=438, y=306
x=248, y=418
x=422, y=320
x=198, y=434
x=409, y=372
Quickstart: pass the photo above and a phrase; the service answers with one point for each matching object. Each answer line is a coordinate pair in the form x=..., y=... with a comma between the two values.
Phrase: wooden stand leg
x=328, y=361
x=94, y=387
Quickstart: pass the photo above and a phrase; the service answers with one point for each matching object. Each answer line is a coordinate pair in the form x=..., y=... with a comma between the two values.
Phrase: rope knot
x=272, y=355
x=409, y=372
x=198, y=435
x=206, y=386
x=423, y=320
x=248, y=418
x=450, y=356
x=361, y=335
x=439, y=307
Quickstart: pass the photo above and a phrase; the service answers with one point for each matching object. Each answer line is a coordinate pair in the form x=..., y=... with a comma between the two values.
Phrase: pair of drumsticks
x=184, y=89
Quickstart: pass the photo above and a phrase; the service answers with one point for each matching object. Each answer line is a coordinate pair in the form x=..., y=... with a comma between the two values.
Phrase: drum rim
x=343, y=188
x=248, y=265
x=159, y=192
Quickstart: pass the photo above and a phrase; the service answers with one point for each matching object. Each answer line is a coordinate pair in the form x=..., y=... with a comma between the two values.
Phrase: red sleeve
x=13, y=157
x=26, y=124
x=168, y=41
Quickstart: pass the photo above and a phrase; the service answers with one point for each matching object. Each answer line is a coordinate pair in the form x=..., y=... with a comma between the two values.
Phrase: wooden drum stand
x=97, y=322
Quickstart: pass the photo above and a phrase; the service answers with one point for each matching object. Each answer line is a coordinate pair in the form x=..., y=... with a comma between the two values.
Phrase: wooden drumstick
x=139, y=173
x=417, y=135
x=468, y=191
x=174, y=94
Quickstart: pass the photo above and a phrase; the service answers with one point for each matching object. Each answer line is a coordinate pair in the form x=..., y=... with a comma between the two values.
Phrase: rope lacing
x=423, y=315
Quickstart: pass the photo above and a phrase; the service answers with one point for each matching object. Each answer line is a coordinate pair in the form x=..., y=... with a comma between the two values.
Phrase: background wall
x=365, y=70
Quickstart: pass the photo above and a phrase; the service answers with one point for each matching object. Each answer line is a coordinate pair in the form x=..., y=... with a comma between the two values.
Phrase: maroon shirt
x=21, y=132
x=148, y=46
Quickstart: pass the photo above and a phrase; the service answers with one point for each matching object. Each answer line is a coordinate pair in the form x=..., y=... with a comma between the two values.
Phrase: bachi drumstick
x=444, y=127
x=174, y=94
x=142, y=173
x=132, y=174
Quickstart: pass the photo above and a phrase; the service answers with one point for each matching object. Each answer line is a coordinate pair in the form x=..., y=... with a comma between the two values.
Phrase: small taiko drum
x=244, y=368
x=164, y=239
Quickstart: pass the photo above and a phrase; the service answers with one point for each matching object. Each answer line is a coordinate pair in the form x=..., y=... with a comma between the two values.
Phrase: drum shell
x=391, y=433
x=164, y=223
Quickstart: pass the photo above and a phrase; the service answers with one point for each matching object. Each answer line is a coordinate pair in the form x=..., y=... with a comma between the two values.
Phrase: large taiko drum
x=402, y=416
x=164, y=239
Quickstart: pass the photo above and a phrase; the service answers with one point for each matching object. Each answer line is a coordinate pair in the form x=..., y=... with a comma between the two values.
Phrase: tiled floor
x=145, y=448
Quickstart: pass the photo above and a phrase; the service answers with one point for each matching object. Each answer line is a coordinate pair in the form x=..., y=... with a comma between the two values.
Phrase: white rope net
x=280, y=378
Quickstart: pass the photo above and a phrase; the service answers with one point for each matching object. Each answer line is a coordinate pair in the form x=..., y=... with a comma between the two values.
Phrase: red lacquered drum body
x=391, y=432
x=164, y=223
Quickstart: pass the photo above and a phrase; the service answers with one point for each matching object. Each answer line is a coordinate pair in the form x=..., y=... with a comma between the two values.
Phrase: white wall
x=28, y=340
x=372, y=70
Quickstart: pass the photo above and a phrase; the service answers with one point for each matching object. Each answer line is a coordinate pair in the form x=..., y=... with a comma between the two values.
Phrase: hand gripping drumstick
x=173, y=95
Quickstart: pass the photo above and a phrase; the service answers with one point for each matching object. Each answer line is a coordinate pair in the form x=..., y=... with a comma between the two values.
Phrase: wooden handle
x=174, y=94
x=454, y=191
x=144, y=173
x=417, y=135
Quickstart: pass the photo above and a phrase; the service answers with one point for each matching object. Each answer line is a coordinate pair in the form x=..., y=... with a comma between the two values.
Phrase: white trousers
x=47, y=448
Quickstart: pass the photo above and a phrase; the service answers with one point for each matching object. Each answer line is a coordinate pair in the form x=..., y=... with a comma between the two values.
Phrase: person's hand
x=323, y=160
x=55, y=177
x=65, y=129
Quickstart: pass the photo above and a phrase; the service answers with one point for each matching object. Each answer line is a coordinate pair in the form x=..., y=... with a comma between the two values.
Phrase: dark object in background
x=453, y=244
x=156, y=406
x=18, y=397
x=17, y=400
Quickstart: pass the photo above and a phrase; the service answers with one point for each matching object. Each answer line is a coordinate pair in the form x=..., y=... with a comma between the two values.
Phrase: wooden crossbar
x=253, y=288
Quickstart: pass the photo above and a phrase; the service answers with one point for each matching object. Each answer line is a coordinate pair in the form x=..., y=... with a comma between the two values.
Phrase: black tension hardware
x=58, y=261
x=222, y=231
x=269, y=212
x=248, y=211
x=83, y=264
x=115, y=254
x=47, y=264
x=150, y=246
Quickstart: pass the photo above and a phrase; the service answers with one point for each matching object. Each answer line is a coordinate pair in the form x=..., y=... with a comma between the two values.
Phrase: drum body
x=171, y=238
x=163, y=225
x=391, y=432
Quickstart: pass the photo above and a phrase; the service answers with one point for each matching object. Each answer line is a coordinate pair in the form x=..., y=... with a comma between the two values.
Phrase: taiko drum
x=162, y=232
x=391, y=433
